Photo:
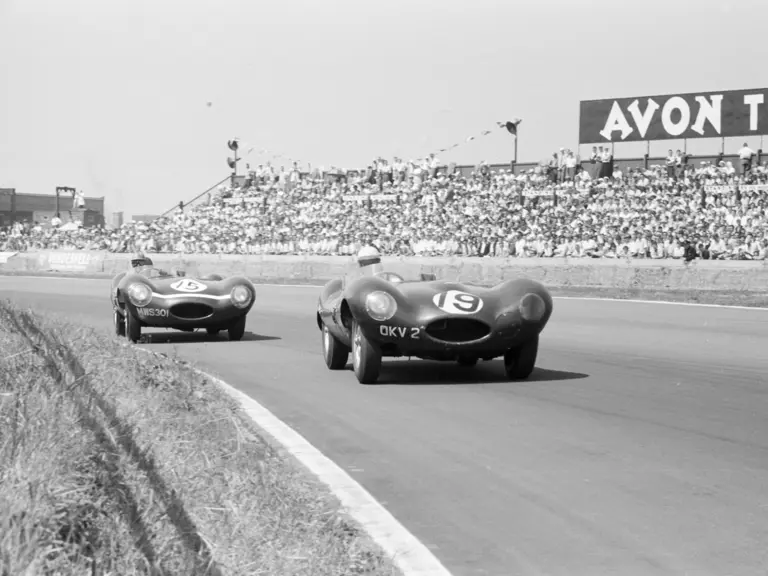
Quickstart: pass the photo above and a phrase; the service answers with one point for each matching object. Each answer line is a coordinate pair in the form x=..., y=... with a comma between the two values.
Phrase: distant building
x=41, y=208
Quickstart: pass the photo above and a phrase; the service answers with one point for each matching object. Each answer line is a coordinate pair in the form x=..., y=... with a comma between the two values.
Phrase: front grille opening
x=191, y=311
x=458, y=329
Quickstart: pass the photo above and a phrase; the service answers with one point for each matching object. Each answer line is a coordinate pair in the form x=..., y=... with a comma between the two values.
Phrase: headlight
x=139, y=294
x=241, y=296
x=380, y=306
x=532, y=307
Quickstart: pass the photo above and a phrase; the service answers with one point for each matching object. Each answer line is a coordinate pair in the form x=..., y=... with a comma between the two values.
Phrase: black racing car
x=151, y=297
x=374, y=313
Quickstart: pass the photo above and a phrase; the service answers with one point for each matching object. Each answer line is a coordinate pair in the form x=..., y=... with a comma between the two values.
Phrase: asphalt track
x=639, y=446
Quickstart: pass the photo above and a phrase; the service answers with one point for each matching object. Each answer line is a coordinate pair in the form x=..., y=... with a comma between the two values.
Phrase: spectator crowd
x=557, y=209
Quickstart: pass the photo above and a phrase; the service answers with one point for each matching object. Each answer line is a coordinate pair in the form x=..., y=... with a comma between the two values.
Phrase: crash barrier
x=746, y=276
x=4, y=256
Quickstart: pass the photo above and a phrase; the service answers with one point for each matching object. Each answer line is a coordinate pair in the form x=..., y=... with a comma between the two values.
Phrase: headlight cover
x=380, y=306
x=241, y=296
x=139, y=294
x=532, y=307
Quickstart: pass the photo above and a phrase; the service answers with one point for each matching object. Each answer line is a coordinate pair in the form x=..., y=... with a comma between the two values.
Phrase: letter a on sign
x=616, y=122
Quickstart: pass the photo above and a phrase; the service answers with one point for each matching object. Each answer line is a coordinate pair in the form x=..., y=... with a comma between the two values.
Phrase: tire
x=132, y=327
x=335, y=352
x=237, y=330
x=467, y=361
x=366, y=357
x=119, y=325
x=519, y=362
x=213, y=331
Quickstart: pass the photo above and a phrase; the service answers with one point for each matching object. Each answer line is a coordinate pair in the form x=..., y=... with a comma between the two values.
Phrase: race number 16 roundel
x=457, y=302
x=188, y=285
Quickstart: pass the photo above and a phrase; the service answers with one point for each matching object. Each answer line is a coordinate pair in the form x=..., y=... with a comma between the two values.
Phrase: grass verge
x=114, y=462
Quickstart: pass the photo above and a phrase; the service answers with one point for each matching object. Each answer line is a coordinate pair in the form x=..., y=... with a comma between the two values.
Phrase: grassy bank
x=116, y=462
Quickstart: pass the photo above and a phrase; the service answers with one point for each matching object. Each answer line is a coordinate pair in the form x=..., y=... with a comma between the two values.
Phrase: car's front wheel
x=519, y=362
x=119, y=325
x=212, y=331
x=132, y=327
x=335, y=352
x=366, y=357
x=237, y=330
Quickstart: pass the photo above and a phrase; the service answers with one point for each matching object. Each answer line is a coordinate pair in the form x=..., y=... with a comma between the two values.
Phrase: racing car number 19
x=457, y=302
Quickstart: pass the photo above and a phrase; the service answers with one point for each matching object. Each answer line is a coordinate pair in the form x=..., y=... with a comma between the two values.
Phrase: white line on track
x=408, y=553
x=585, y=298
x=665, y=303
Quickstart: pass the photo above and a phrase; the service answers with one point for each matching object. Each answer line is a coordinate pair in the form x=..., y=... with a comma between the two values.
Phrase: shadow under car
x=427, y=372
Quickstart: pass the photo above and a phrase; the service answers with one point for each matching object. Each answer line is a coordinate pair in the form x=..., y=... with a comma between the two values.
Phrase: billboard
x=674, y=116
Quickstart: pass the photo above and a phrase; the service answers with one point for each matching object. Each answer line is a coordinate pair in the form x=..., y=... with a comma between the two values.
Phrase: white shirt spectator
x=746, y=153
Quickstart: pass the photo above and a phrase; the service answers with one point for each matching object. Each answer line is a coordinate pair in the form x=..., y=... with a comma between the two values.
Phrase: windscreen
x=393, y=271
x=154, y=273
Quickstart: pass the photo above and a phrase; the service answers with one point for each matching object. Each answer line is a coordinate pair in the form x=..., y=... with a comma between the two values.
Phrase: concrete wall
x=623, y=274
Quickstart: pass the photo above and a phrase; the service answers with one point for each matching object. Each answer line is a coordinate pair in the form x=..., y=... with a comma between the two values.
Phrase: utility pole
x=232, y=163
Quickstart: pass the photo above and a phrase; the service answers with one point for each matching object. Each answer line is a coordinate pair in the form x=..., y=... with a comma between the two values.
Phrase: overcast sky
x=111, y=97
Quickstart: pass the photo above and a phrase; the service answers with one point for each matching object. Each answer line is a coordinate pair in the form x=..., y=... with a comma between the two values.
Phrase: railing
x=196, y=198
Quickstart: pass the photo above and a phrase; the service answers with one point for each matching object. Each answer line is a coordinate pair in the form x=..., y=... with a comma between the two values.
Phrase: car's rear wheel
x=335, y=352
x=468, y=361
x=366, y=357
x=132, y=327
x=212, y=331
x=119, y=324
x=519, y=362
x=237, y=330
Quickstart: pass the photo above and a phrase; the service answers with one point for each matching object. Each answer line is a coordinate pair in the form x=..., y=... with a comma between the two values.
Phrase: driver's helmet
x=368, y=255
x=139, y=259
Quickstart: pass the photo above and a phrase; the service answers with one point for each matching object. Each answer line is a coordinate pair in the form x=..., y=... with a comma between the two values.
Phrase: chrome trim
x=190, y=295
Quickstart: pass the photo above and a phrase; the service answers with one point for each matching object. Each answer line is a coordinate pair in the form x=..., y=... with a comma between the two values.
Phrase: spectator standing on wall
x=561, y=165
x=606, y=170
x=433, y=164
x=549, y=168
x=598, y=163
x=570, y=166
x=681, y=160
x=671, y=163
x=593, y=159
x=745, y=155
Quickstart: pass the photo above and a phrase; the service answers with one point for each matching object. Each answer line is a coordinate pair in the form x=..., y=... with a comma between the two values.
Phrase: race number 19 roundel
x=188, y=285
x=457, y=302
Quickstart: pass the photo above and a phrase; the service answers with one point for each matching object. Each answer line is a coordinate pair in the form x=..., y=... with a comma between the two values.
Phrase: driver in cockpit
x=140, y=261
x=369, y=261
x=370, y=256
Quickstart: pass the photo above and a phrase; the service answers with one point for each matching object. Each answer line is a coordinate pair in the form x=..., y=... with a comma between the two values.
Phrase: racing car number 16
x=457, y=302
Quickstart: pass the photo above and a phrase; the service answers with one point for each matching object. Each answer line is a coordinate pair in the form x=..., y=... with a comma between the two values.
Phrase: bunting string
x=509, y=126
x=269, y=155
